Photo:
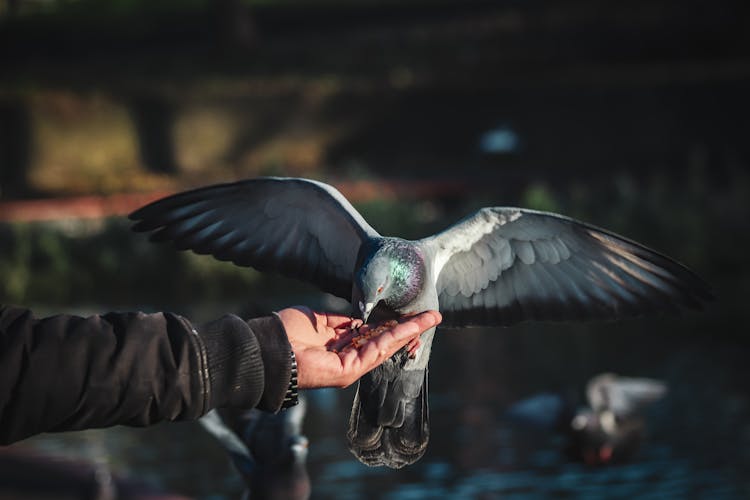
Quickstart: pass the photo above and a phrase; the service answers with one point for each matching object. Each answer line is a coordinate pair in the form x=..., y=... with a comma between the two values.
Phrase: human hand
x=322, y=344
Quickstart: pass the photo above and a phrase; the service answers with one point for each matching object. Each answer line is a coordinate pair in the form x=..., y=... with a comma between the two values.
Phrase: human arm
x=67, y=372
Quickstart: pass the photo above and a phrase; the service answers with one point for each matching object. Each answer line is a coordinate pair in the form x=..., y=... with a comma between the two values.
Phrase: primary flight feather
x=499, y=266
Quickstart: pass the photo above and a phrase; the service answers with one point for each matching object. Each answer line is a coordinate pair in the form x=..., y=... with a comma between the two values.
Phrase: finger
x=412, y=346
x=375, y=352
x=299, y=318
x=356, y=339
x=392, y=331
x=381, y=348
x=338, y=321
x=345, y=338
x=303, y=310
x=420, y=323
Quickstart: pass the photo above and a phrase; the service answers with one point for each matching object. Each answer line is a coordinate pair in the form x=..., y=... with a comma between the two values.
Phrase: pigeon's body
x=389, y=423
x=498, y=266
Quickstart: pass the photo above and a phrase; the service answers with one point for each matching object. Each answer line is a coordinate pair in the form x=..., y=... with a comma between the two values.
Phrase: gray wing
x=297, y=227
x=503, y=265
x=276, y=439
x=214, y=425
x=623, y=396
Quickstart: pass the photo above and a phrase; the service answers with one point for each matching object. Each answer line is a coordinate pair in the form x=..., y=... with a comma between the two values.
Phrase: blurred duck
x=609, y=430
x=267, y=450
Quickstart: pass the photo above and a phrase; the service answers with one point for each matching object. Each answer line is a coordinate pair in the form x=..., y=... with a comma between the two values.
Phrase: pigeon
x=496, y=267
x=268, y=450
x=609, y=430
x=613, y=428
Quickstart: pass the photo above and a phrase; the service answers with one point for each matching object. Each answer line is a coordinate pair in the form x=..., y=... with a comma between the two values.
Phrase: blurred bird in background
x=268, y=450
x=610, y=429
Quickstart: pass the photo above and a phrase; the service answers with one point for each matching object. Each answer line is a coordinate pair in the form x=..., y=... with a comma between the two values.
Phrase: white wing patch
x=503, y=265
x=472, y=254
x=474, y=228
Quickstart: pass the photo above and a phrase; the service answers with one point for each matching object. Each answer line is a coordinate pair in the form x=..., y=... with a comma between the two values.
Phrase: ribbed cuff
x=277, y=360
x=234, y=362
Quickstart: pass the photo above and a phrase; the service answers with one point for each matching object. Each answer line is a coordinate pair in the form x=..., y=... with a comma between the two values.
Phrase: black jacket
x=67, y=372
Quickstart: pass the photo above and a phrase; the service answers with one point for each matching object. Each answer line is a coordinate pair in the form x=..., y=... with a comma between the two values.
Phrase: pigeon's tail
x=390, y=423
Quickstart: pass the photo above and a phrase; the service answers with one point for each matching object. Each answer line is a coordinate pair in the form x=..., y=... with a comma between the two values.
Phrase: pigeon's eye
x=380, y=289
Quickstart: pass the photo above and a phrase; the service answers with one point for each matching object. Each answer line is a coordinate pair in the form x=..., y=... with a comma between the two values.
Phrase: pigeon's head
x=392, y=275
x=582, y=420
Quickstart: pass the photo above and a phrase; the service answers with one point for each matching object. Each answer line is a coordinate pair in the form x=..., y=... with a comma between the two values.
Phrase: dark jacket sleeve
x=68, y=372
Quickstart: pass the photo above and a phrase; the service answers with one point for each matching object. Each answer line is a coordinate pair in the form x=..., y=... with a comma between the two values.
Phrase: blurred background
x=633, y=115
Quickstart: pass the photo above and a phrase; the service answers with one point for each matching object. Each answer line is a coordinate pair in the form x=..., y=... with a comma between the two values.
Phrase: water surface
x=698, y=440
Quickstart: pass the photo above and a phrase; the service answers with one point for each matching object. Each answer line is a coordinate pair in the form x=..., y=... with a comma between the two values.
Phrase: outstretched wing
x=623, y=396
x=503, y=265
x=300, y=228
x=214, y=425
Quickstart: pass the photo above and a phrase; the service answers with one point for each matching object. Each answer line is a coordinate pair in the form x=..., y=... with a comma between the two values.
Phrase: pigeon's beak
x=365, y=310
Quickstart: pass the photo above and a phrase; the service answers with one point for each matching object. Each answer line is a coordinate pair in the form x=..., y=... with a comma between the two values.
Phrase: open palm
x=322, y=344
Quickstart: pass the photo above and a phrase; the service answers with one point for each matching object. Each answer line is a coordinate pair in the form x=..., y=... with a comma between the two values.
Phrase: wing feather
x=296, y=227
x=504, y=265
x=624, y=396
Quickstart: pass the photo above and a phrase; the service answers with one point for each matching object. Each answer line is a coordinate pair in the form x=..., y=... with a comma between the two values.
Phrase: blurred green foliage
x=103, y=262
x=82, y=9
x=88, y=8
x=540, y=197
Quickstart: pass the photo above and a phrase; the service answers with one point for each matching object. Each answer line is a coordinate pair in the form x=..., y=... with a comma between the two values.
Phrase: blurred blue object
x=541, y=411
x=500, y=140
